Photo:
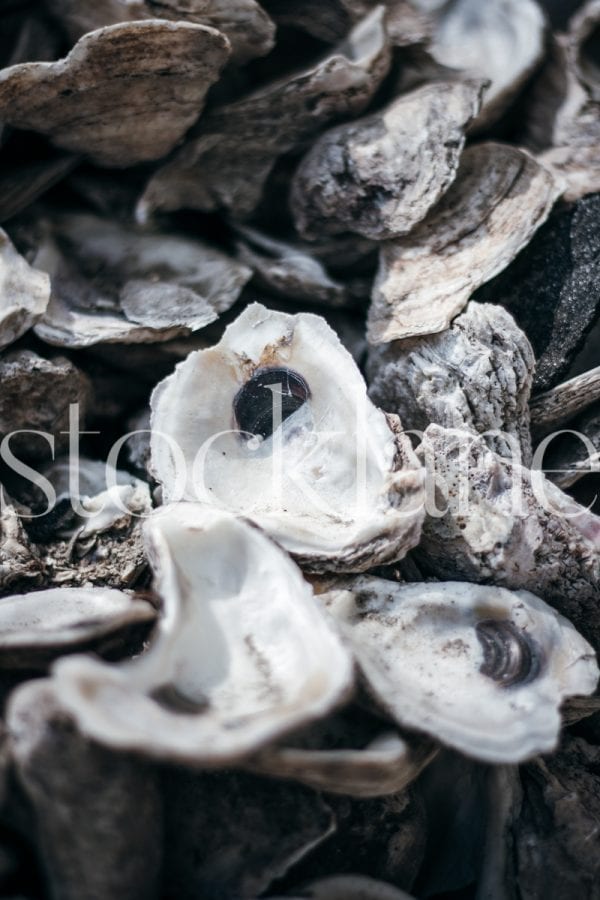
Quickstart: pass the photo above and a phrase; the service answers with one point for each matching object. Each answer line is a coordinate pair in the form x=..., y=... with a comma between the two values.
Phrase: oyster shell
x=241, y=653
x=118, y=68
x=38, y=627
x=24, y=293
x=500, y=197
x=248, y=27
x=111, y=282
x=499, y=40
x=85, y=799
x=20, y=564
x=226, y=162
x=347, y=755
x=288, y=270
x=553, y=287
x=553, y=408
x=380, y=175
x=333, y=480
x=35, y=395
x=477, y=375
x=480, y=668
x=211, y=849
x=348, y=887
x=492, y=520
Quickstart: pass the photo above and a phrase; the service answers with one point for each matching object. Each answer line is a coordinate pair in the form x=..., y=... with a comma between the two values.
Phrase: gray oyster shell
x=24, y=293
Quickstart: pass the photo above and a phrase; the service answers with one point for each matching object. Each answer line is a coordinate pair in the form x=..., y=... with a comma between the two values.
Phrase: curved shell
x=120, y=68
x=334, y=483
x=499, y=198
x=113, y=283
x=24, y=293
x=380, y=175
x=480, y=668
x=36, y=628
x=241, y=654
x=348, y=887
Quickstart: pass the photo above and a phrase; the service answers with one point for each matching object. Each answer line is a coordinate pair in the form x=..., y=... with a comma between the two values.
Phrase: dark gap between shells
x=256, y=402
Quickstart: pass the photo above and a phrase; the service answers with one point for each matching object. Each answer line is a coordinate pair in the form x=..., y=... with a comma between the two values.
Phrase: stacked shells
x=299, y=449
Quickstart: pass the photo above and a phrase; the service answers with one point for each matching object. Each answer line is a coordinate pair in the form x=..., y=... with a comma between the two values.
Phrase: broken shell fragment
x=380, y=175
x=480, y=668
x=496, y=521
x=226, y=162
x=288, y=270
x=499, y=40
x=38, y=627
x=118, y=68
x=35, y=396
x=499, y=199
x=553, y=287
x=335, y=482
x=241, y=654
x=120, y=284
x=24, y=293
x=249, y=29
x=476, y=375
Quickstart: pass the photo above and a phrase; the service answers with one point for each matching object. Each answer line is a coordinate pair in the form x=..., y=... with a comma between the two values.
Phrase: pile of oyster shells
x=300, y=443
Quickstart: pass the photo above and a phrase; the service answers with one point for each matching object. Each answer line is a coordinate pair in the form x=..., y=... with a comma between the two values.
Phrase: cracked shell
x=327, y=475
x=241, y=654
x=480, y=668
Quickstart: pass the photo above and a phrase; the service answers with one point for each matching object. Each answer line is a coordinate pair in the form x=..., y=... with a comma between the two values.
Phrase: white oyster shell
x=242, y=652
x=336, y=484
x=499, y=198
x=117, y=284
x=41, y=625
x=24, y=293
x=419, y=651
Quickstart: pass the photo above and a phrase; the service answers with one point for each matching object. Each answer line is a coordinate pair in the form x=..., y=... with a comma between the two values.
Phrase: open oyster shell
x=500, y=40
x=38, y=627
x=241, y=653
x=227, y=160
x=118, y=68
x=476, y=375
x=499, y=198
x=480, y=668
x=24, y=293
x=380, y=175
x=492, y=520
x=335, y=483
x=248, y=27
x=120, y=284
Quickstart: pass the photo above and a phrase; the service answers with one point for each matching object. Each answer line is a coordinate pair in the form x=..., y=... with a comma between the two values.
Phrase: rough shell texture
x=476, y=375
x=500, y=197
x=118, y=68
x=420, y=652
x=38, y=627
x=289, y=270
x=35, y=394
x=380, y=175
x=211, y=852
x=248, y=27
x=500, y=40
x=84, y=800
x=20, y=564
x=120, y=284
x=227, y=161
x=563, y=402
x=553, y=287
x=241, y=653
x=24, y=293
x=335, y=484
x=495, y=521
x=557, y=818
